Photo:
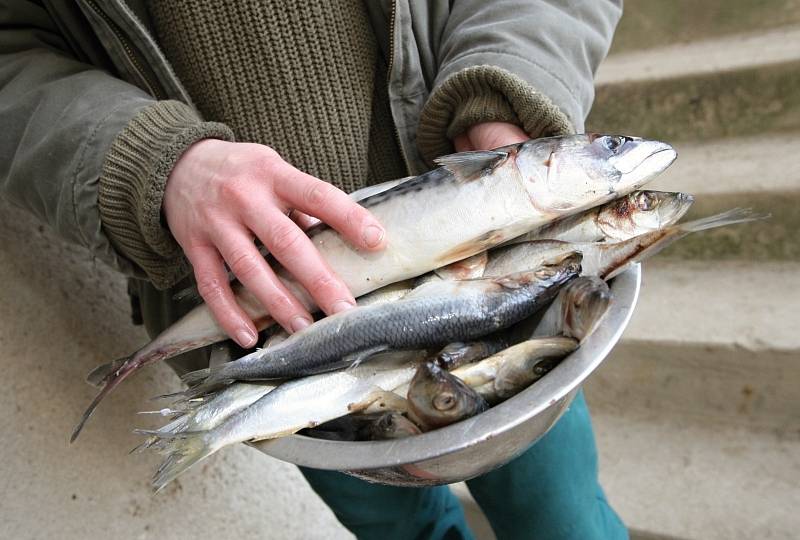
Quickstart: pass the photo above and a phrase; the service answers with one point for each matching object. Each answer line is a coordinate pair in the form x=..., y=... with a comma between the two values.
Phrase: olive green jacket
x=74, y=73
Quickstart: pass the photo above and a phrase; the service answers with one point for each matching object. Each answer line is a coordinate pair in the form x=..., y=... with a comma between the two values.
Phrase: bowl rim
x=567, y=376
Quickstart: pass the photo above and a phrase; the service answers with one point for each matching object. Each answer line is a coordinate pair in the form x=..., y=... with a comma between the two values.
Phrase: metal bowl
x=479, y=444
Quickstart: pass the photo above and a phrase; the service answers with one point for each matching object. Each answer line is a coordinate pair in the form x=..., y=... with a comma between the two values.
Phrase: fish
x=634, y=214
x=515, y=368
x=209, y=411
x=471, y=202
x=390, y=425
x=366, y=427
x=577, y=310
x=437, y=398
x=432, y=314
x=292, y=406
x=459, y=353
x=606, y=260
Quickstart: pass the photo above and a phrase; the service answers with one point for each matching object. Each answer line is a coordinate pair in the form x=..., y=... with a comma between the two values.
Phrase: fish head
x=573, y=172
x=585, y=302
x=393, y=425
x=438, y=398
x=641, y=212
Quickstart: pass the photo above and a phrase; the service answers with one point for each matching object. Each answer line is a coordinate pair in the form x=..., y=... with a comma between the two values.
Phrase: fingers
x=462, y=143
x=213, y=286
x=247, y=264
x=489, y=135
x=297, y=253
x=331, y=205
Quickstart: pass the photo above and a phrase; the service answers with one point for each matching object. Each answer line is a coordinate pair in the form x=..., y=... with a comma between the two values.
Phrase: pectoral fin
x=468, y=166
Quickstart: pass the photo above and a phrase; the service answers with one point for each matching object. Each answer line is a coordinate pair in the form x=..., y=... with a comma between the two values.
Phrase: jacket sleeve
x=529, y=62
x=59, y=119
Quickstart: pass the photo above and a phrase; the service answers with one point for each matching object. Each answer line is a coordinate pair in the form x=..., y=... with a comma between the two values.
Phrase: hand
x=222, y=195
x=489, y=135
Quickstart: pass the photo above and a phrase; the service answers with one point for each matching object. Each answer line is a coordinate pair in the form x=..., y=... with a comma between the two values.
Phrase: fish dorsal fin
x=468, y=166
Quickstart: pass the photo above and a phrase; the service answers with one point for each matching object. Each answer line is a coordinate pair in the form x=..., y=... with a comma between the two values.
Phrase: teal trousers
x=549, y=492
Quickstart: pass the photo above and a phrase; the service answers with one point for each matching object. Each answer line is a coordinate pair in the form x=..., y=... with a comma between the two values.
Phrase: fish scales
x=484, y=306
x=475, y=201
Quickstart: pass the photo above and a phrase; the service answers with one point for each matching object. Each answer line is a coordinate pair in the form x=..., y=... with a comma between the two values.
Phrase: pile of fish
x=495, y=271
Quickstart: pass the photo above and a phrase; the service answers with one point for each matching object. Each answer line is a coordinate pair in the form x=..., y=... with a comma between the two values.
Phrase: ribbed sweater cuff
x=132, y=184
x=485, y=94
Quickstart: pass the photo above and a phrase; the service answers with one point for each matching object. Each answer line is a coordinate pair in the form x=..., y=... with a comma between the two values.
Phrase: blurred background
x=697, y=411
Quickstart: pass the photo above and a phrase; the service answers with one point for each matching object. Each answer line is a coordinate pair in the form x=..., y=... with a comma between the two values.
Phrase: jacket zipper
x=388, y=80
x=152, y=87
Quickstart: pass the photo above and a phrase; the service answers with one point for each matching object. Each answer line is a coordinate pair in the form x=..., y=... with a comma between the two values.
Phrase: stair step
x=728, y=53
x=699, y=481
x=762, y=173
x=655, y=23
x=712, y=342
x=702, y=90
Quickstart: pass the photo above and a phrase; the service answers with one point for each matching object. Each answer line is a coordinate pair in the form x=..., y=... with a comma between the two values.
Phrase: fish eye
x=613, y=143
x=444, y=401
x=646, y=201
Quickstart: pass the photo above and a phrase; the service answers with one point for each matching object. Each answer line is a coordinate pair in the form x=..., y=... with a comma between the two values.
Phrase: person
x=165, y=137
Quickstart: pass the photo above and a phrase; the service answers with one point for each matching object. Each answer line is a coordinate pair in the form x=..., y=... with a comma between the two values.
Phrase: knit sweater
x=305, y=78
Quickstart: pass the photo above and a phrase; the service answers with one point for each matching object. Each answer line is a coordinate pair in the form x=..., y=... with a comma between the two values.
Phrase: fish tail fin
x=193, y=378
x=205, y=381
x=730, y=217
x=185, y=450
x=112, y=380
x=99, y=375
x=667, y=236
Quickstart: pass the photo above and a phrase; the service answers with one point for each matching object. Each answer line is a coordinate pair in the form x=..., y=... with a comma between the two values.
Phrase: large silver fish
x=474, y=201
x=432, y=314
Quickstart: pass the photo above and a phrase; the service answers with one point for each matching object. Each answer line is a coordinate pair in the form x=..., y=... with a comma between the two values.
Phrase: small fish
x=437, y=398
x=516, y=367
x=634, y=214
x=208, y=412
x=577, y=310
x=459, y=353
x=366, y=427
x=438, y=312
x=391, y=425
x=292, y=406
x=472, y=202
x=604, y=259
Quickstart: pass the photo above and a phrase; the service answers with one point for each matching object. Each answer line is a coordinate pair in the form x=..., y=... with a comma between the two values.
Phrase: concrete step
x=654, y=23
x=675, y=477
x=731, y=86
x=762, y=173
x=709, y=342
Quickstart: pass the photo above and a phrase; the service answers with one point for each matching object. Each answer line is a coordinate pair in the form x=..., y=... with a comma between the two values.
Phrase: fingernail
x=298, y=323
x=341, y=305
x=245, y=338
x=373, y=235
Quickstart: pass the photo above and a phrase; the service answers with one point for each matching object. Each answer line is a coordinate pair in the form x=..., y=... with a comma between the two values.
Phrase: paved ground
x=60, y=315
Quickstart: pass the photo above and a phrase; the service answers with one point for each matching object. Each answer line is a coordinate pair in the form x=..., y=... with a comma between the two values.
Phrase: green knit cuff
x=132, y=184
x=485, y=94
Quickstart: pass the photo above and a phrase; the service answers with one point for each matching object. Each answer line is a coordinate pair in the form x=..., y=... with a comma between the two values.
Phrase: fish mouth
x=644, y=163
x=661, y=159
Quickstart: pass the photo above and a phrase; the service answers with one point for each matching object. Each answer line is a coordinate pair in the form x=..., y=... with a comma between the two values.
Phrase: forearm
x=529, y=63
x=87, y=153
